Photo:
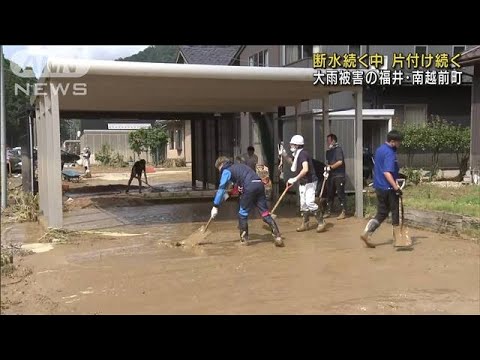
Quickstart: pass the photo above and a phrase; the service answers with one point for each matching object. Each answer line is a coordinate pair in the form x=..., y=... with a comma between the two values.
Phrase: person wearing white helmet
x=302, y=166
x=86, y=159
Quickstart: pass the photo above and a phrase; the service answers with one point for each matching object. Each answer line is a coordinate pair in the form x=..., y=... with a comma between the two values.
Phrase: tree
x=436, y=137
x=138, y=141
x=413, y=140
x=68, y=129
x=459, y=143
x=155, y=53
x=151, y=139
x=17, y=104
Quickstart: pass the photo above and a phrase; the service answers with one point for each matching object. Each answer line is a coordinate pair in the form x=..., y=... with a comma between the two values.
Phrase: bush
x=117, y=161
x=437, y=136
x=169, y=163
x=413, y=175
x=24, y=207
x=107, y=158
x=104, y=155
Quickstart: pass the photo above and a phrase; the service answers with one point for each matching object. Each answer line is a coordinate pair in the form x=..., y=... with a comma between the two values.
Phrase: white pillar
x=55, y=207
x=358, y=153
x=41, y=156
x=276, y=141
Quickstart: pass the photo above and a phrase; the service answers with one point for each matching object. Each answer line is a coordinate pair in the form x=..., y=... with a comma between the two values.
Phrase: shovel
x=279, y=200
x=204, y=228
x=403, y=239
x=323, y=186
x=198, y=237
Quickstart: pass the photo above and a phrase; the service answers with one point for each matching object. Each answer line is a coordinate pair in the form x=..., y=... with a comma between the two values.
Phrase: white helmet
x=297, y=140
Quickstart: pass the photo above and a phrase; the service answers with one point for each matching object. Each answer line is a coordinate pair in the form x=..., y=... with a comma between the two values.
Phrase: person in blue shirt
x=253, y=195
x=386, y=172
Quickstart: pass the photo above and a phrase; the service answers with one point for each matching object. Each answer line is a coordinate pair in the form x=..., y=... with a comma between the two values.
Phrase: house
x=213, y=134
x=412, y=104
x=114, y=132
x=471, y=57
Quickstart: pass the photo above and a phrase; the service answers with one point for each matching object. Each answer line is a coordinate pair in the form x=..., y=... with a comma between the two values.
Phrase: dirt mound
x=101, y=189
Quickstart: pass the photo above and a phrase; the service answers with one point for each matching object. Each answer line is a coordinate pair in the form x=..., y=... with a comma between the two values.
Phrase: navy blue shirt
x=333, y=155
x=310, y=177
x=239, y=174
x=385, y=160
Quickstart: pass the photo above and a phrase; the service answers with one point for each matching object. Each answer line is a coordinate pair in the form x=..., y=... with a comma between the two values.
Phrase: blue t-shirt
x=385, y=160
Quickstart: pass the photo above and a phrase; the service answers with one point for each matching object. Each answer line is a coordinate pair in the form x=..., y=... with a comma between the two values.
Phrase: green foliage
x=117, y=160
x=104, y=155
x=108, y=158
x=413, y=175
x=412, y=140
x=151, y=139
x=169, y=163
x=459, y=143
x=437, y=136
x=138, y=141
x=463, y=200
x=16, y=105
x=69, y=128
x=156, y=54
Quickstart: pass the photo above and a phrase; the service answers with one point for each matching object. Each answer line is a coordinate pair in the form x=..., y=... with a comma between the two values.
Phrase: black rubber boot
x=328, y=211
x=243, y=225
x=277, y=238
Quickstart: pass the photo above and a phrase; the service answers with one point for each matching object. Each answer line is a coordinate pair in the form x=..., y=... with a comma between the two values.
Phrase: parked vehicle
x=16, y=158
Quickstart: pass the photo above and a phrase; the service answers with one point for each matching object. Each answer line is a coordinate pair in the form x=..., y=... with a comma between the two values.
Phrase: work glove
x=325, y=174
x=292, y=181
x=398, y=192
x=214, y=212
x=327, y=168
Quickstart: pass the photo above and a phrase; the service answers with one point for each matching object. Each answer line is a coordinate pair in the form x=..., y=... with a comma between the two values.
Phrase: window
x=408, y=113
x=171, y=139
x=175, y=140
x=458, y=49
x=259, y=59
x=354, y=49
x=178, y=139
x=295, y=53
x=420, y=49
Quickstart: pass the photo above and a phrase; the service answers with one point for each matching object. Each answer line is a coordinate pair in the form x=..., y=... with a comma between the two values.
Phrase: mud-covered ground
x=139, y=269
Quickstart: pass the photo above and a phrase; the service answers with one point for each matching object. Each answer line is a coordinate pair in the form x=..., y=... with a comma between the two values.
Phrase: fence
x=118, y=141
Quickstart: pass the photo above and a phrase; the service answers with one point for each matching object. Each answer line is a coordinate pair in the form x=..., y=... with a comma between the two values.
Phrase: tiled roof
x=209, y=54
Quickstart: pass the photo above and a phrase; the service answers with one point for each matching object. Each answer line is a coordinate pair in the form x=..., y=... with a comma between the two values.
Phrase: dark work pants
x=387, y=202
x=336, y=185
x=253, y=196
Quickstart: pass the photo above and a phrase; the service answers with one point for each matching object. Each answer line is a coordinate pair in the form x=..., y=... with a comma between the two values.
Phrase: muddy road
x=141, y=271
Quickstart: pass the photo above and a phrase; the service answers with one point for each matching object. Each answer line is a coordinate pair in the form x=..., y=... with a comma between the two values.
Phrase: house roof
x=470, y=56
x=209, y=54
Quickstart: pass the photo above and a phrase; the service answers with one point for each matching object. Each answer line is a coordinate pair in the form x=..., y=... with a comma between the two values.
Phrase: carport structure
x=155, y=89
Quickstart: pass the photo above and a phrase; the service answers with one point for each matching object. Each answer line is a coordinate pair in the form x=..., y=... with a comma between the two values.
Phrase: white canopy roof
x=157, y=87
